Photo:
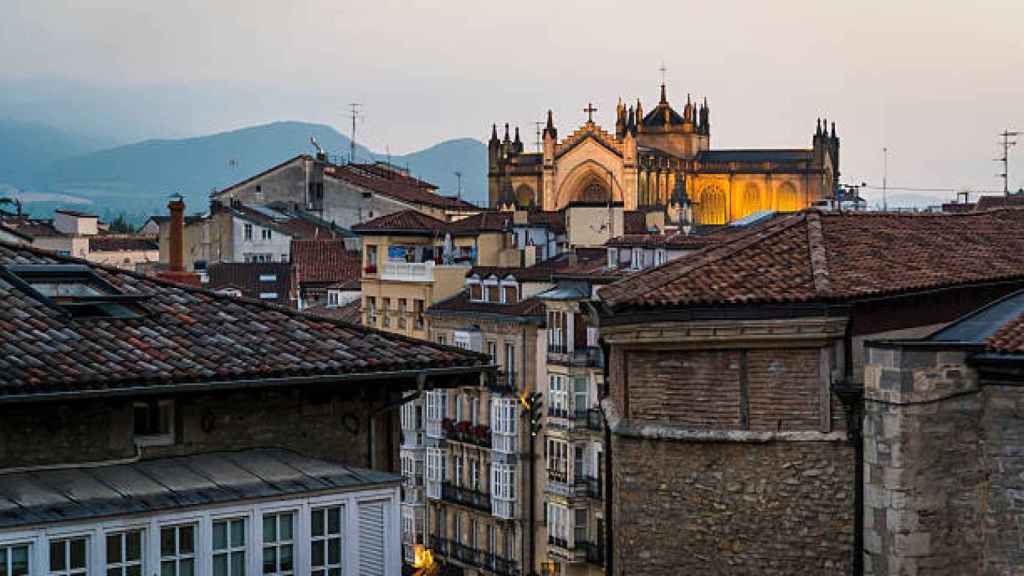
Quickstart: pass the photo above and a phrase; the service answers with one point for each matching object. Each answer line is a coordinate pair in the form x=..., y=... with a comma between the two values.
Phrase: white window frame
x=278, y=543
x=247, y=232
x=177, y=557
x=333, y=298
x=122, y=564
x=265, y=234
x=232, y=548
x=326, y=537
x=29, y=547
x=503, y=489
x=504, y=424
x=65, y=544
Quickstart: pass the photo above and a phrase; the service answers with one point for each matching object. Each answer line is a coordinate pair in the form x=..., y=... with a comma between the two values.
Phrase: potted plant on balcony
x=447, y=425
x=370, y=269
x=481, y=433
x=463, y=427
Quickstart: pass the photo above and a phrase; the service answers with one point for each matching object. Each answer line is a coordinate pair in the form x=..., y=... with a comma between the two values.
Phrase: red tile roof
x=392, y=173
x=188, y=335
x=461, y=304
x=246, y=276
x=1009, y=338
x=397, y=188
x=406, y=221
x=122, y=243
x=634, y=222
x=350, y=312
x=990, y=202
x=553, y=220
x=316, y=261
x=33, y=228
x=812, y=256
x=483, y=222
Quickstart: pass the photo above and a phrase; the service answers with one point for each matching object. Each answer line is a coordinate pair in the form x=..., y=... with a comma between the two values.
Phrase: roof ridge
x=706, y=256
x=818, y=254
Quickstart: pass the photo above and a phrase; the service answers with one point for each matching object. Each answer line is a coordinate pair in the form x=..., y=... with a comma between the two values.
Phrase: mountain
x=137, y=178
x=27, y=147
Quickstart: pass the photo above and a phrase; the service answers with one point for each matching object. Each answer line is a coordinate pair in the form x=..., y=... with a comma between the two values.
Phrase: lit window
x=178, y=550
x=68, y=557
x=124, y=553
x=268, y=277
x=229, y=547
x=325, y=549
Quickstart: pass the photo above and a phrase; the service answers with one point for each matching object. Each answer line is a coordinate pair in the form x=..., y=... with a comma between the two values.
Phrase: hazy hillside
x=137, y=178
x=27, y=147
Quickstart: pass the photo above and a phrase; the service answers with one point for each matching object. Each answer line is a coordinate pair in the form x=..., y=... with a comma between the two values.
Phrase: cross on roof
x=663, y=69
x=590, y=112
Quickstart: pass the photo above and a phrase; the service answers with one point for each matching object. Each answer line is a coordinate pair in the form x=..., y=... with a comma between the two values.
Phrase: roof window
x=73, y=289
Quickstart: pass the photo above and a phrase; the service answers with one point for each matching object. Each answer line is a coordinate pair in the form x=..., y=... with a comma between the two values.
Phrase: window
x=371, y=258
x=511, y=294
x=265, y=233
x=492, y=539
x=14, y=560
x=581, y=397
x=510, y=363
x=492, y=350
x=268, y=277
x=493, y=294
x=68, y=557
x=503, y=490
x=333, y=297
x=402, y=308
x=474, y=474
x=278, y=551
x=558, y=523
x=457, y=478
x=504, y=427
x=229, y=547
x=637, y=261
x=580, y=533
x=613, y=257
x=476, y=292
x=385, y=312
x=178, y=550
x=124, y=553
x=371, y=310
x=371, y=539
x=153, y=422
x=461, y=339
x=474, y=410
x=268, y=295
x=442, y=339
x=556, y=332
x=558, y=400
x=557, y=453
x=247, y=232
x=457, y=526
x=75, y=288
x=437, y=462
x=418, y=309
x=325, y=549
x=457, y=401
x=510, y=541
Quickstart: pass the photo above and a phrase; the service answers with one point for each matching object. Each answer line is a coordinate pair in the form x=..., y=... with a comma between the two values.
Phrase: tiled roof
x=122, y=243
x=553, y=220
x=990, y=202
x=289, y=224
x=350, y=312
x=490, y=221
x=385, y=171
x=461, y=304
x=813, y=256
x=1009, y=338
x=253, y=279
x=32, y=227
x=543, y=271
x=75, y=213
x=399, y=189
x=406, y=221
x=187, y=335
x=324, y=261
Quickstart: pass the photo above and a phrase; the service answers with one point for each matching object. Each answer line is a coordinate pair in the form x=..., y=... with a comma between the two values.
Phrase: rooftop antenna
x=459, y=193
x=885, y=179
x=1005, y=158
x=354, y=114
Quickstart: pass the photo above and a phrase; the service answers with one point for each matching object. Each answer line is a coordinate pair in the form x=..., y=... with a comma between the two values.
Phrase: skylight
x=73, y=289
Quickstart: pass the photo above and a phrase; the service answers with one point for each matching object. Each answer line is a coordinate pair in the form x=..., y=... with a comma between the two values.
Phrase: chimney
x=177, y=234
x=176, y=246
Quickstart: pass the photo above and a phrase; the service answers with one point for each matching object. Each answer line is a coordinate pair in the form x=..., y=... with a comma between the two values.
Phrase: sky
x=934, y=82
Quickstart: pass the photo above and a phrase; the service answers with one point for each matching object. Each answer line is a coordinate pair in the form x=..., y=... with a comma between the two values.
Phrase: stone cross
x=590, y=112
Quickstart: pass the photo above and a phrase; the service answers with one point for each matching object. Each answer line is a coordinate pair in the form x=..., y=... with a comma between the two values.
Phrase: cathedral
x=655, y=156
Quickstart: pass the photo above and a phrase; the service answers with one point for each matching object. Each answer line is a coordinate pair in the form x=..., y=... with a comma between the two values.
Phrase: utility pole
x=1005, y=158
x=354, y=114
x=459, y=193
x=885, y=179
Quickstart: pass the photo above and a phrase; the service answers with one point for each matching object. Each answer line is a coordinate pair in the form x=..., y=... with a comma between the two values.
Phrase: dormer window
x=638, y=259
x=333, y=298
x=476, y=292
x=493, y=293
x=613, y=257
x=73, y=289
x=510, y=293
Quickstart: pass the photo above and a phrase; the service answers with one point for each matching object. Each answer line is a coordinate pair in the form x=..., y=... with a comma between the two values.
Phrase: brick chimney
x=176, y=245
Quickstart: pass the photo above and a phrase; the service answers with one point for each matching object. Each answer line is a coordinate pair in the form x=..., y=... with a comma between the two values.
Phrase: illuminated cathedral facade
x=650, y=152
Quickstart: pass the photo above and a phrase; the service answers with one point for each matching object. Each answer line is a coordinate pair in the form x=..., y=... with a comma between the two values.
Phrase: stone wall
x=944, y=466
x=733, y=508
x=323, y=425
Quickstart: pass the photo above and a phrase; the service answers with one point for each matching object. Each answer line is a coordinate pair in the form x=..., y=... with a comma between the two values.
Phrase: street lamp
x=532, y=404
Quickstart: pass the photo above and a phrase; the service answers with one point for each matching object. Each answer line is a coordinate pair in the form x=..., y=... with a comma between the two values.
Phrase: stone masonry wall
x=331, y=426
x=733, y=508
x=944, y=467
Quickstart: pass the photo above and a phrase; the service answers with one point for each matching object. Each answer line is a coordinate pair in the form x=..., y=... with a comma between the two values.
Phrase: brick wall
x=733, y=508
x=759, y=389
x=323, y=425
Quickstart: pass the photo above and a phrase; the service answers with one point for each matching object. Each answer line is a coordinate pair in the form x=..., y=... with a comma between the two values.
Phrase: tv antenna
x=1005, y=158
x=537, y=142
x=354, y=114
x=458, y=194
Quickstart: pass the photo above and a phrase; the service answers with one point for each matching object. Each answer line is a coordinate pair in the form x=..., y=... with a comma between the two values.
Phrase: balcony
x=563, y=549
x=466, y=497
x=486, y=561
x=588, y=486
x=467, y=433
x=593, y=553
x=504, y=509
x=408, y=271
x=589, y=419
x=583, y=357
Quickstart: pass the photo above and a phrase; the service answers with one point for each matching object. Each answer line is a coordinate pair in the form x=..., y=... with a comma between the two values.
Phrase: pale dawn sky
x=933, y=81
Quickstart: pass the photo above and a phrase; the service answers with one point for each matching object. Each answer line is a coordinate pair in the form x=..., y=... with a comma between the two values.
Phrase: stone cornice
x=710, y=332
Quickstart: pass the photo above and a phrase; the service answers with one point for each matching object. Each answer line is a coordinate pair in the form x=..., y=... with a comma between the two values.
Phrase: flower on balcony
x=447, y=425
x=481, y=432
x=371, y=269
x=463, y=426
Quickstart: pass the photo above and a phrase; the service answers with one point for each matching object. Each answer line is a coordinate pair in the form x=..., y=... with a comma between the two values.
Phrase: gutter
x=157, y=389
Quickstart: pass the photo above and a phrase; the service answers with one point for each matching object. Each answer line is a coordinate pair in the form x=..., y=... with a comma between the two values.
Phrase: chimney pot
x=176, y=235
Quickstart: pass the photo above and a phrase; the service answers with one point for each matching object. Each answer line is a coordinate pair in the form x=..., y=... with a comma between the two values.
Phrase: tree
x=120, y=225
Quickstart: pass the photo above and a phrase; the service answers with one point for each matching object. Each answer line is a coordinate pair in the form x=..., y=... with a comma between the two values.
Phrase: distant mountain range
x=51, y=168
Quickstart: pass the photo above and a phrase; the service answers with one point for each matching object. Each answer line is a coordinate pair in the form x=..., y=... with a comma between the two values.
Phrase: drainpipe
x=371, y=441
x=855, y=426
x=609, y=542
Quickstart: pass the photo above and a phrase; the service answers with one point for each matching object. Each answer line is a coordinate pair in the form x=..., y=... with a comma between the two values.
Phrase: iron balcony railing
x=466, y=497
x=487, y=561
x=588, y=485
x=589, y=418
x=594, y=553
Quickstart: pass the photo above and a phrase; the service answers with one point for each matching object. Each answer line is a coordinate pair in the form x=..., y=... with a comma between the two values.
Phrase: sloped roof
x=656, y=117
x=460, y=304
x=324, y=261
x=579, y=260
x=405, y=221
x=634, y=222
x=185, y=336
x=751, y=155
x=990, y=202
x=814, y=256
x=490, y=221
x=553, y=220
x=289, y=224
x=350, y=312
x=253, y=278
x=398, y=188
x=122, y=243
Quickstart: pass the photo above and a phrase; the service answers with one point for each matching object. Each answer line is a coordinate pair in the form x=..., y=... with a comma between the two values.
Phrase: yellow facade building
x=641, y=163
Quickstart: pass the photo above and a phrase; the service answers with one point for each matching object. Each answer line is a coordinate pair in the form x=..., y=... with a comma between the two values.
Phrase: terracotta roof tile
x=461, y=304
x=253, y=279
x=398, y=188
x=990, y=202
x=350, y=312
x=490, y=221
x=324, y=261
x=409, y=221
x=121, y=243
x=835, y=256
x=187, y=335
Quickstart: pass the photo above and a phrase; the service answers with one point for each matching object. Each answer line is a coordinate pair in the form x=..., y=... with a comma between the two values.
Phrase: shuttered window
x=371, y=539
